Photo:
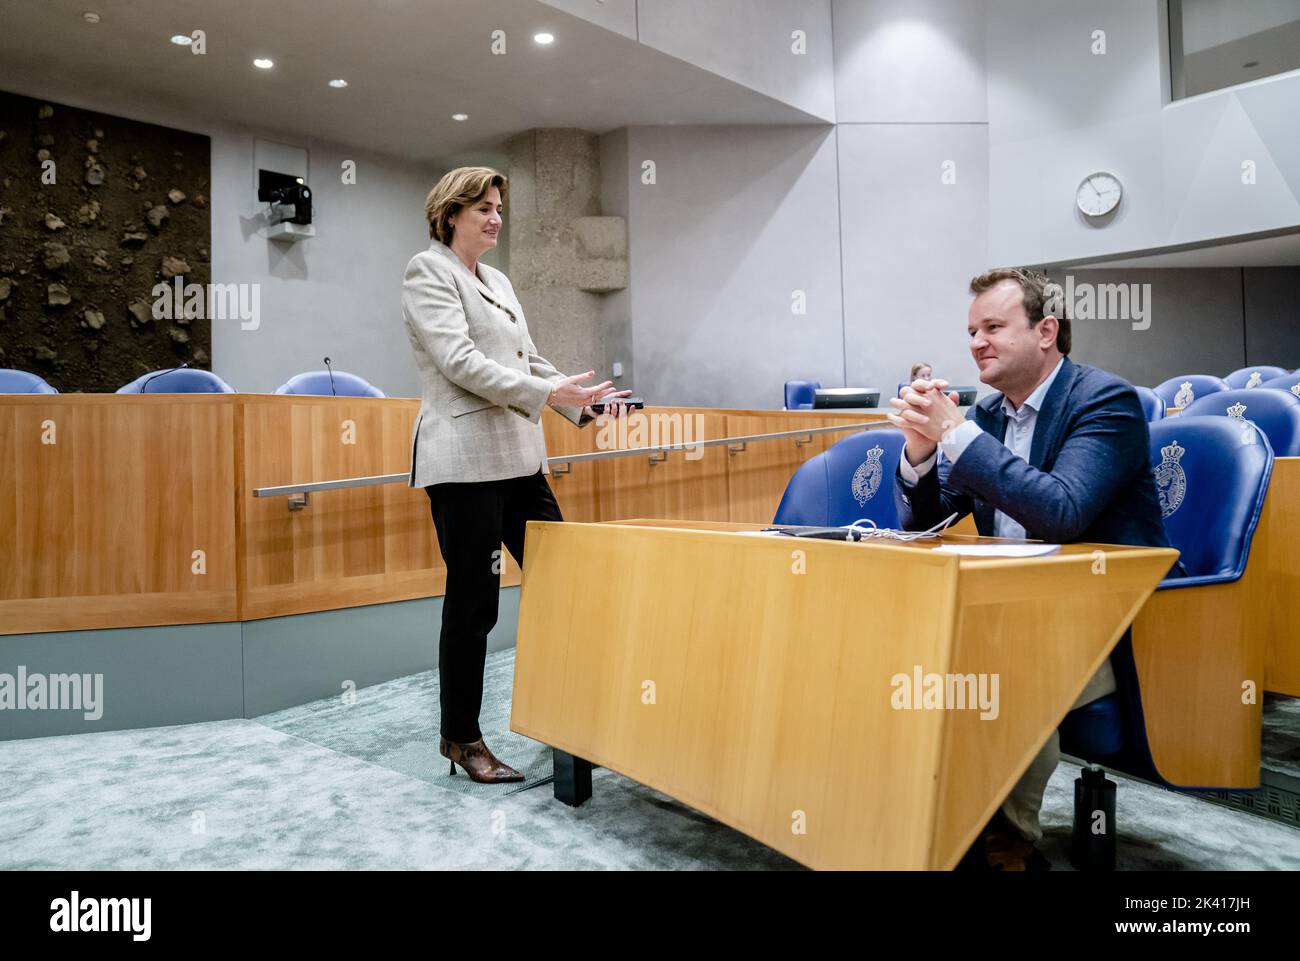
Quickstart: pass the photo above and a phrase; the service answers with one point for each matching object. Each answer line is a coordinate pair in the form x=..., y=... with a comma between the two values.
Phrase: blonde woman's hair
x=458, y=189
x=917, y=367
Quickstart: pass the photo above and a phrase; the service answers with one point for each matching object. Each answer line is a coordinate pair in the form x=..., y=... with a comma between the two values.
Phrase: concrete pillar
x=564, y=256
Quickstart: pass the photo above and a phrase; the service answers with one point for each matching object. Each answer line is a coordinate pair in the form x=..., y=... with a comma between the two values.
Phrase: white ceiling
x=1272, y=51
x=410, y=64
x=1275, y=251
x=1209, y=23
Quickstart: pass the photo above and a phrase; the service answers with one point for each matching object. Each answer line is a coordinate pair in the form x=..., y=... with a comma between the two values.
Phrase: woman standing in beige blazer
x=478, y=449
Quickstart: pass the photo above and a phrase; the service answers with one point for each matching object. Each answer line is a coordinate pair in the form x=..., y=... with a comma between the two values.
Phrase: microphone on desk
x=145, y=382
x=331, y=373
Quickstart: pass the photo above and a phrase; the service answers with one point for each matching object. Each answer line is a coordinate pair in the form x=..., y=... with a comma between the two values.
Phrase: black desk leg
x=572, y=778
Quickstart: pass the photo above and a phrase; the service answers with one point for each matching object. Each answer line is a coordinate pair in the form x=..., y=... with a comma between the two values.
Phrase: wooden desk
x=1274, y=550
x=363, y=545
x=130, y=510
x=106, y=498
x=743, y=484
x=116, y=510
x=705, y=665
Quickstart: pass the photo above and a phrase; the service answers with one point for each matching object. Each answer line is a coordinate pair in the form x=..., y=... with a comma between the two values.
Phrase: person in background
x=478, y=448
x=920, y=371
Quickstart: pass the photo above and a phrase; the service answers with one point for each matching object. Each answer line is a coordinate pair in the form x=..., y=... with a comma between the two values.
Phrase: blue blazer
x=1088, y=477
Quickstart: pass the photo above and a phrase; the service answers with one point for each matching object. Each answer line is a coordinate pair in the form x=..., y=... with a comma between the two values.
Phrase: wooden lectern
x=757, y=678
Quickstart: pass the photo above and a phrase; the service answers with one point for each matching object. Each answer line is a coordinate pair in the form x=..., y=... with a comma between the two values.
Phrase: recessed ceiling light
x=90, y=16
x=460, y=116
x=544, y=38
x=263, y=63
x=181, y=40
x=338, y=84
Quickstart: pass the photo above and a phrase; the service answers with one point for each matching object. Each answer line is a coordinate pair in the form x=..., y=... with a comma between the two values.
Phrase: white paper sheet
x=999, y=550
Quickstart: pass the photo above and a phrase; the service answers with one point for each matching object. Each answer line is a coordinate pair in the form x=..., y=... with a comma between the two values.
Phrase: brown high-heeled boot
x=478, y=761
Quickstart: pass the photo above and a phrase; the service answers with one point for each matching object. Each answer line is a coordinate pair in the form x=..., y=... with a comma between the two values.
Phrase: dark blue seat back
x=1112, y=729
x=799, y=394
x=1175, y=389
x=187, y=380
x=1212, y=488
x=851, y=480
x=1097, y=729
x=1287, y=382
x=20, y=382
x=1211, y=482
x=1152, y=405
x=317, y=383
x=1275, y=412
x=1249, y=377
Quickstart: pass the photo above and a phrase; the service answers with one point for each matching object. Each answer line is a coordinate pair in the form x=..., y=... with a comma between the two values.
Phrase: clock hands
x=1105, y=198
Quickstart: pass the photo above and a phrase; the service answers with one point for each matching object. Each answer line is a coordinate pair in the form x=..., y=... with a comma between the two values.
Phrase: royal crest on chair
x=866, y=479
x=1256, y=378
x=1171, y=482
x=1235, y=412
x=1185, y=394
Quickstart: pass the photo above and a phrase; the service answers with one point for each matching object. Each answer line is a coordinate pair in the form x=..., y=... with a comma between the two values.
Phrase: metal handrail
x=300, y=494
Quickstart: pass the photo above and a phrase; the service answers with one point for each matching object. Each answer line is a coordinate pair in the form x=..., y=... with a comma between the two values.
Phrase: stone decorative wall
x=564, y=256
x=80, y=256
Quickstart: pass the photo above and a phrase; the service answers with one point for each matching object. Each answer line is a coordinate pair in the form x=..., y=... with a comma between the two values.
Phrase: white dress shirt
x=1019, y=440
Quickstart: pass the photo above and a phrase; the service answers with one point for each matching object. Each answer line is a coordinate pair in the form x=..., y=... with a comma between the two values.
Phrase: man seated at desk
x=1061, y=454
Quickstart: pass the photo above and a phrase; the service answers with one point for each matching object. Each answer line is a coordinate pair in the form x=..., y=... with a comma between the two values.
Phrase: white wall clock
x=1098, y=194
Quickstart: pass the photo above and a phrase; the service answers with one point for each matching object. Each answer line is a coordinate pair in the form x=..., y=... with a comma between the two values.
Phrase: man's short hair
x=1042, y=297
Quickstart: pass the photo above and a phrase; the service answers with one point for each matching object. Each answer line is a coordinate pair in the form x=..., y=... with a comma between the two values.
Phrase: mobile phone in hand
x=634, y=403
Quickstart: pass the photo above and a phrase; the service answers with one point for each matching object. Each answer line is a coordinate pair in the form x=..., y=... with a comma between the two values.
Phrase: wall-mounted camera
x=290, y=210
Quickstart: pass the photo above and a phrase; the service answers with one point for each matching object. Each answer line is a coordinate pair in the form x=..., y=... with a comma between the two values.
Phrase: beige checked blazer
x=483, y=384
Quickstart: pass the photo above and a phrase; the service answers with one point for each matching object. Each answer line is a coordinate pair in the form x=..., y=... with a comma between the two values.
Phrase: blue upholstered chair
x=21, y=382
x=1275, y=412
x=1184, y=389
x=1288, y=382
x=851, y=480
x=1249, y=377
x=1212, y=489
x=317, y=382
x=1210, y=515
x=186, y=380
x=799, y=394
x=1152, y=405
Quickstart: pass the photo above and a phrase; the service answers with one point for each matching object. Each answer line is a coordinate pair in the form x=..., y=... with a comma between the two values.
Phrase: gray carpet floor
x=335, y=786
x=1281, y=744
x=393, y=725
